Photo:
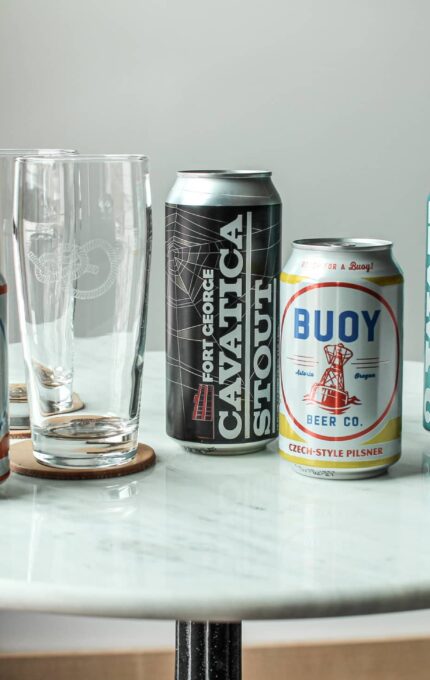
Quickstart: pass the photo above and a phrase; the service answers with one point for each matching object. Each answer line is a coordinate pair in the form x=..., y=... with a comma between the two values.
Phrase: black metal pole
x=208, y=651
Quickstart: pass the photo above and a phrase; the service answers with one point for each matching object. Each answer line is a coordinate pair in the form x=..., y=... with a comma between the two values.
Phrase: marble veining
x=223, y=538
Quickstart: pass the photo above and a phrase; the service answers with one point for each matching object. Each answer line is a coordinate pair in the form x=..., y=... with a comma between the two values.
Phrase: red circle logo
x=384, y=303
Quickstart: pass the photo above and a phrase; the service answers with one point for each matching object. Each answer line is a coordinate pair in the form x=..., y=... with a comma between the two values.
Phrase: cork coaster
x=23, y=462
x=77, y=405
x=19, y=434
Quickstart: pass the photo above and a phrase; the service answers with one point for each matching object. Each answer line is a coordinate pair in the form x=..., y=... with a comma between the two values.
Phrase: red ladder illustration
x=204, y=403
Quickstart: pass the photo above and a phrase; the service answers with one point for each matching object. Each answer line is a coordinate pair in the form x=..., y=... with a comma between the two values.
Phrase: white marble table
x=221, y=539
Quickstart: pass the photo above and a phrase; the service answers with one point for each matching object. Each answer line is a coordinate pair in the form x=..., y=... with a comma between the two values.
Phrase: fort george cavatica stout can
x=223, y=250
x=4, y=386
x=341, y=358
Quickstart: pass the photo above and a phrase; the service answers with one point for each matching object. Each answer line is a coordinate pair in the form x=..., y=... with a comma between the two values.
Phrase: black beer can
x=223, y=260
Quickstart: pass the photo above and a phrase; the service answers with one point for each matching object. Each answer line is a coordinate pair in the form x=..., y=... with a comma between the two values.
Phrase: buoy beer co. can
x=4, y=385
x=223, y=233
x=341, y=352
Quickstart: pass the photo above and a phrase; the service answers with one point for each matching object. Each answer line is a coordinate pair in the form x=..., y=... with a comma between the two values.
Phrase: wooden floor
x=403, y=659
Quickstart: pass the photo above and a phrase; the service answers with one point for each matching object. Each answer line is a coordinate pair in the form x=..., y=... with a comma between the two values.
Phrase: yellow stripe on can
x=385, y=280
x=287, y=431
x=330, y=464
x=389, y=433
x=292, y=278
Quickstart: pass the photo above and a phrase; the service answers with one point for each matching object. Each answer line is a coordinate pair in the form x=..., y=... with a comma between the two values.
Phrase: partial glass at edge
x=82, y=231
x=18, y=406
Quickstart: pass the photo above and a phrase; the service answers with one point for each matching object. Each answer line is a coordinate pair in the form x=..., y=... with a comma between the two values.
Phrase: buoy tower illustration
x=329, y=392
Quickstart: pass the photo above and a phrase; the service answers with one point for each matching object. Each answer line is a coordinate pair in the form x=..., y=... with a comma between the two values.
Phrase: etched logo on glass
x=70, y=263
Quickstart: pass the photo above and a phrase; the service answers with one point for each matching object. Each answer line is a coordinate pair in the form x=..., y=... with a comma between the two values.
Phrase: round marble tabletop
x=224, y=538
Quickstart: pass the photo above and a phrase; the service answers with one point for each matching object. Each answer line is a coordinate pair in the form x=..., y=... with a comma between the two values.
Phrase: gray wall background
x=332, y=95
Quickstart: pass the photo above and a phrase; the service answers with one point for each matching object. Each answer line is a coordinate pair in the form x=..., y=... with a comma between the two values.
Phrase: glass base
x=90, y=442
x=19, y=423
x=19, y=418
x=88, y=463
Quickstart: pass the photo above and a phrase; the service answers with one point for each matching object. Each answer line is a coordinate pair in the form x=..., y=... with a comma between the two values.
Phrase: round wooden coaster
x=19, y=434
x=23, y=462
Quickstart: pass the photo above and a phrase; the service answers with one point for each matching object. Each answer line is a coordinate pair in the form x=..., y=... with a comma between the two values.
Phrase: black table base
x=208, y=651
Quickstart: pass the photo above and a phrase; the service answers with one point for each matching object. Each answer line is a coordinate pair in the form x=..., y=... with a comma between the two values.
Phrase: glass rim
x=84, y=158
x=36, y=152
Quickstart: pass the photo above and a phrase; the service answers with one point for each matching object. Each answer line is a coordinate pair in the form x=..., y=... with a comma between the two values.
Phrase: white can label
x=340, y=377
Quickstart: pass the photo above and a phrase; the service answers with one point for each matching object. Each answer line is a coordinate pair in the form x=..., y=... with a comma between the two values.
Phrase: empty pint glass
x=18, y=414
x=82, y=229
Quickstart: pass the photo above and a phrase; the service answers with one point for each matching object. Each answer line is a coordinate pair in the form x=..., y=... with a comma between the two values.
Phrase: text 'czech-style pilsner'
x=223, y=233
x=341, y=358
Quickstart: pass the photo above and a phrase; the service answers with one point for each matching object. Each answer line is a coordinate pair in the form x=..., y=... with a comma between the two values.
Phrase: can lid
x=342, y=244
x=224, y=174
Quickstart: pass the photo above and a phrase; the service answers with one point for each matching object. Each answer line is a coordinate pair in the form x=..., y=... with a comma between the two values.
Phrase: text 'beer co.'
x=223, y=233
x=341, y=358
x=4, y=385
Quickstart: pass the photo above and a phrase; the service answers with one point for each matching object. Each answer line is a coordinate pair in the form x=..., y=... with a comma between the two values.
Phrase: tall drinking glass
x=82, y=229
x=18, y=416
